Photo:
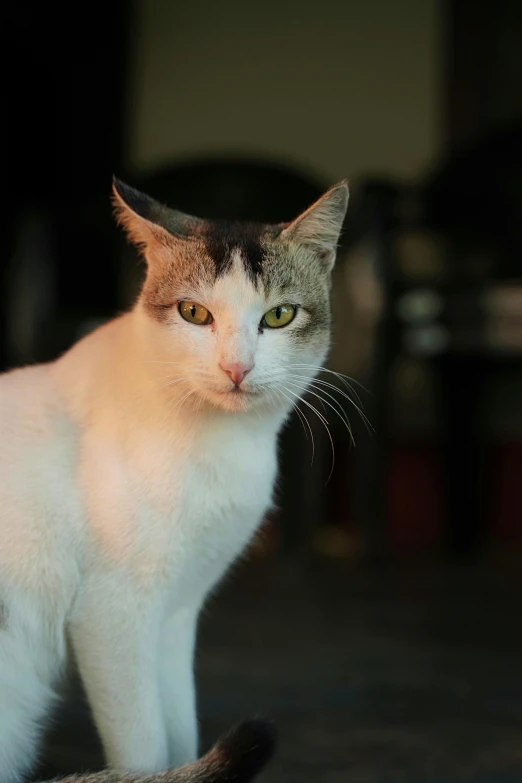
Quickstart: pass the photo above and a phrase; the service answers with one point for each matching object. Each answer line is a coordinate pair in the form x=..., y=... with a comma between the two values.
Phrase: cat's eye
x=279, y=316
x=195, y=313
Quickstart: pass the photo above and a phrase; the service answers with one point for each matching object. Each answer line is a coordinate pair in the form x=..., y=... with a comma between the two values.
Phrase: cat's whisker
x=359, y=407
x=339, y=377
x=166, y=385
x=347, y=380
x=364, y=418
x=324, y=422
x=194, y=370
x=339, y=408
x=344, y=380
x=158, y=361
x=333, y=372
x=179, y=402
x=166, y=377
x=312, y=383
x=303, y=419
x=340, y=413
x=332, y=386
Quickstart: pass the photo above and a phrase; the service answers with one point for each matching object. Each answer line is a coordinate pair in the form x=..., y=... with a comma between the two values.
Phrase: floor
x=410, y=675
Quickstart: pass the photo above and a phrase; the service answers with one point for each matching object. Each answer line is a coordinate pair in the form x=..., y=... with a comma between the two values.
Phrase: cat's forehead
x=270, y=264
x=235, y=287
x=230, y=245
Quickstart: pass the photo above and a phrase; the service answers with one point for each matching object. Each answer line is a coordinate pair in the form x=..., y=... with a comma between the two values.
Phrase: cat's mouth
x=236, y=397
x=233, y=398
x=238, y=391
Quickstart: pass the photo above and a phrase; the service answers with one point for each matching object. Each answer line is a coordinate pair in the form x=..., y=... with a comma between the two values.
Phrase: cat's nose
x=236, y=371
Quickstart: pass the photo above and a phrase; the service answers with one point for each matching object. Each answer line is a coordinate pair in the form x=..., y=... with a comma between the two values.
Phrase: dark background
x=377, y=619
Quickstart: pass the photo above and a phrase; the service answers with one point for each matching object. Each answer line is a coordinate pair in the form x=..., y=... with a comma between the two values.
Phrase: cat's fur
x=132, y=472
x=237, y=757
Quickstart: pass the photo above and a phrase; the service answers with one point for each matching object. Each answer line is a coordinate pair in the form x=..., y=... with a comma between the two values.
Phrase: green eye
x=195, y=313
x=279, y=316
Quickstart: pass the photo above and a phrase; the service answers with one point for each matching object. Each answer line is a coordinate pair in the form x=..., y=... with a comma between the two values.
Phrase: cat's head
x=239, y=313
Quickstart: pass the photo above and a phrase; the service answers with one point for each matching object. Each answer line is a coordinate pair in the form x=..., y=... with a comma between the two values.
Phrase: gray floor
x=384, y=676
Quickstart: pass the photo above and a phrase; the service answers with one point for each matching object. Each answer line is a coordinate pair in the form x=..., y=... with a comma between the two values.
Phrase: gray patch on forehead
x=223, y=240
x=290, y=272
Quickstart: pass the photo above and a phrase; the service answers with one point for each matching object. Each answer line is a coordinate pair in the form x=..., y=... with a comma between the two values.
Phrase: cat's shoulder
x=24, y=381
x=28, y=408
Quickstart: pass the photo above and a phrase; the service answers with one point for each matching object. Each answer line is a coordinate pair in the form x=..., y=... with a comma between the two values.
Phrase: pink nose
x=236, y=371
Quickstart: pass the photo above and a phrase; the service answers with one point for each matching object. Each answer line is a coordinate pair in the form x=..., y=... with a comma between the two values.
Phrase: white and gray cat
x=137, y=466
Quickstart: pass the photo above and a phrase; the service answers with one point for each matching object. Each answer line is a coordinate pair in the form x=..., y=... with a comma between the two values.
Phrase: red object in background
x=416, y=497
x=504, y=493
x=415, y=500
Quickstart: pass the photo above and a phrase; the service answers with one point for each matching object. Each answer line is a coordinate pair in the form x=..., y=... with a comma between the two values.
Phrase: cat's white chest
x=221, y=503
x=223, y=490
x=180, y=515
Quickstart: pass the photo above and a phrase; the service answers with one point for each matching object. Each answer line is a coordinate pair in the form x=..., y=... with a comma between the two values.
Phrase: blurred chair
x=448, y=254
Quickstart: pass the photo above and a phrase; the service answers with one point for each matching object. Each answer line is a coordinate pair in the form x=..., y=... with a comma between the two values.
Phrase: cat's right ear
x=319, y=227
x=147, y=223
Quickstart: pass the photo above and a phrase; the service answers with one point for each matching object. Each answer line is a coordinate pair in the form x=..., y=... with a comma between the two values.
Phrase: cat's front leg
x=177, y=684
x=115, y=634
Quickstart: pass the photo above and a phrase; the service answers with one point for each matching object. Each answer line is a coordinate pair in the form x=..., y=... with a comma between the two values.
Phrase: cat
x=136, y=467
x=238, y=757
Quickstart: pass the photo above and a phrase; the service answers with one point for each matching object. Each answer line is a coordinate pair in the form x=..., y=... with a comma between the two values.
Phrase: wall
x=342, y=88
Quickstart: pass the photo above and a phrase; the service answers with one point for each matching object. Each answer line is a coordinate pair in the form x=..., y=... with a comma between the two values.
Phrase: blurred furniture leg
x=374, y=449
x=303, y=484
x=461, y=386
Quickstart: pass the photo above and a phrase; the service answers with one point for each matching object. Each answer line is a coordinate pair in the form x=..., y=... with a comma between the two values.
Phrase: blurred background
x=377, y=618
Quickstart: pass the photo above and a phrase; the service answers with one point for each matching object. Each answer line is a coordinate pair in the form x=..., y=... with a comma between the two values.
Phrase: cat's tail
x=236, y=758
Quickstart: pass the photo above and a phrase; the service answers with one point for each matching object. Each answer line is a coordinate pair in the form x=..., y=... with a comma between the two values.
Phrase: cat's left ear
x=320, y=226
x=147, y=223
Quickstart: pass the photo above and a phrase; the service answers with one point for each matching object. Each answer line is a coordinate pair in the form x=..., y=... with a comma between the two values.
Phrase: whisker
x=341, y=377
x=311, y=382
x=339, y=408
x=302, y=419
x=166, y=377
x=332, y=386
x=158, y=361
x=347, y=380
x=178, y=403
x=170, y=383
x=324, y=422
x=340, y=413
x=334, y=372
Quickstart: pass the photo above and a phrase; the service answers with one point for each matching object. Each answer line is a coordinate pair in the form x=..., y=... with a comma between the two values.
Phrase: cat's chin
x=235, y=401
